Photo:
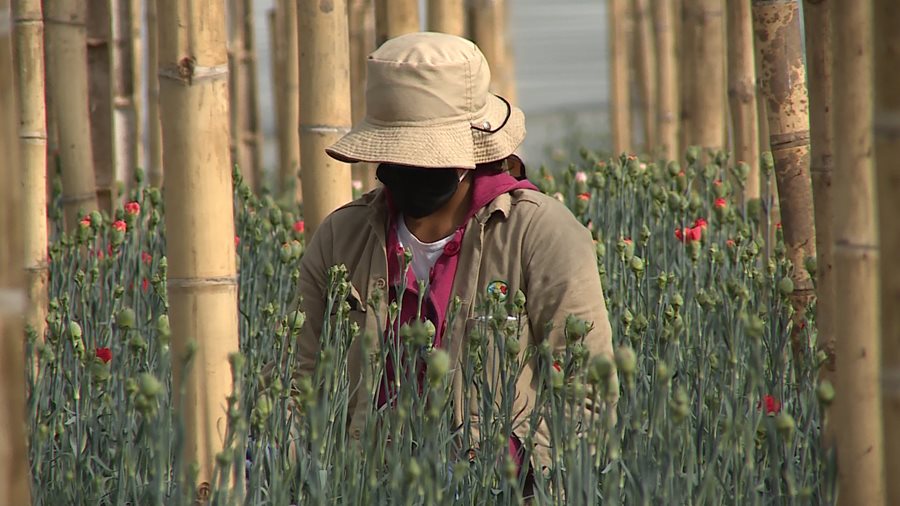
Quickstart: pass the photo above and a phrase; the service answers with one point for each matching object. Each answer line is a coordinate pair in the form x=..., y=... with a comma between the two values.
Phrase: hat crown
x=426, y=79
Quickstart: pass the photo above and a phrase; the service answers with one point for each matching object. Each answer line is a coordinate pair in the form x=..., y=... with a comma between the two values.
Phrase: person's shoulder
x=353, y=213
x=539, y=205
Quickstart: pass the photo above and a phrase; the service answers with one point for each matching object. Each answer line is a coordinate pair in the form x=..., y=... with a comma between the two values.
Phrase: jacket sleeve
x=313, y=289
x=561, y=279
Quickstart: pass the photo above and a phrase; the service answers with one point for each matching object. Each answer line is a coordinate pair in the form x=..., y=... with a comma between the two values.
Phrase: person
x=445, y=146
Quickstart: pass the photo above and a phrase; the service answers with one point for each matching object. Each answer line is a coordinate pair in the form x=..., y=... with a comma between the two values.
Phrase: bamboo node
x=208, y=282
x=12, y=301
x=67, y=22
x=187, y=71
x=325, y=129
x=34, y=135
x=26, y=20
x=39, y=268
x=789, y=140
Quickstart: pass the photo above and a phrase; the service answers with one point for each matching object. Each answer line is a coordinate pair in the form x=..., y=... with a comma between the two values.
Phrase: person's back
x=444, y=146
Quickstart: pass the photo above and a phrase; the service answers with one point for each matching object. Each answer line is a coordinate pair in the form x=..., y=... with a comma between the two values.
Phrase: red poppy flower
x=730, y=243
x=104, y=354
x=237, y=241
x=299, y=226
x=720, y=203
x=771, y=405
x=133, y=208
x=85, y=222
x=145, y=285
x=147, y=258
x=778, y=225
x=627, y=240
x=120, y=225
x=700, y=222
x=557, y=366
x=584, y=196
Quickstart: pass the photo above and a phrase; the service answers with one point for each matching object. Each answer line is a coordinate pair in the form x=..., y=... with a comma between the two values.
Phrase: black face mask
x=418, y=192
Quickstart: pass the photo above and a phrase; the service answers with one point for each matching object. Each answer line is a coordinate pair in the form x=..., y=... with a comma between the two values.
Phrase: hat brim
x=452, y=144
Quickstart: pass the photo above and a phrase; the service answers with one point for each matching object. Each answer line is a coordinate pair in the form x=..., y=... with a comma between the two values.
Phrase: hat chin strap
x=505, y=120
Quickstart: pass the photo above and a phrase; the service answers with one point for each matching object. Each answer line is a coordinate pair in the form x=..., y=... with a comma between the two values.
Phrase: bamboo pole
x=619, y=91
x=324, y=106
x=276, y=53
x=860, y=437
x=99, y=54
x=124, y=115
x=291, y=96
x=395, y=17
x=242, y=60
x=14, y=468
x=154, y=148
x=645, y=60
x=742, y=92
x=252, y=134
x=445, y=16
x=703, y=106
x=362, y=43
x=29, y=68
x=667, y=76
x=780, y=47
x=67, y=87
x=817, y=23
x=136, y=44
x=487, y=20
x=193, y=74
x=887, y=153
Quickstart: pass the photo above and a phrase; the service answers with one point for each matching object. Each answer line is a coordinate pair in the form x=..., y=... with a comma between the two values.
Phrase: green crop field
x=715, y=405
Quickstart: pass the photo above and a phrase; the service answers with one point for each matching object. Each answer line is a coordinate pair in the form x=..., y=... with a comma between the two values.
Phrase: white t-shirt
x=424, y=254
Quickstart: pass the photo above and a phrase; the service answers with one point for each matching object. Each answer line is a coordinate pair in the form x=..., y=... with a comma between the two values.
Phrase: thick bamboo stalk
x=817, y=23
x=395, y=17
x=29, y=69
x=742, y=92
x=14, y=472
x=704, y=103
x=776, y=24
x=276, y=53
x=445, y=16
x=252, y=134
x=193, y=74
x=362, y=43
x=487, y=20
x=286, y=89
x=154, y=147
x=245, y=143
x=324, y=106
x=887, y=153
x=99, y=54
x=67, y=86
x=667, y=77
x=136, y=44
x=645, y=62
x=125, y=140
x=619, y=91
x=859, y=429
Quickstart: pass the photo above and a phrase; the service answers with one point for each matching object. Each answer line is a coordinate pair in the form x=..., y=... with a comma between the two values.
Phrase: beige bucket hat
x=428, y=105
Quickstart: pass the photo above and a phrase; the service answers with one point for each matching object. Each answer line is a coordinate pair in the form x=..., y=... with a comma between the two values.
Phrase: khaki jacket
x=525, y=238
